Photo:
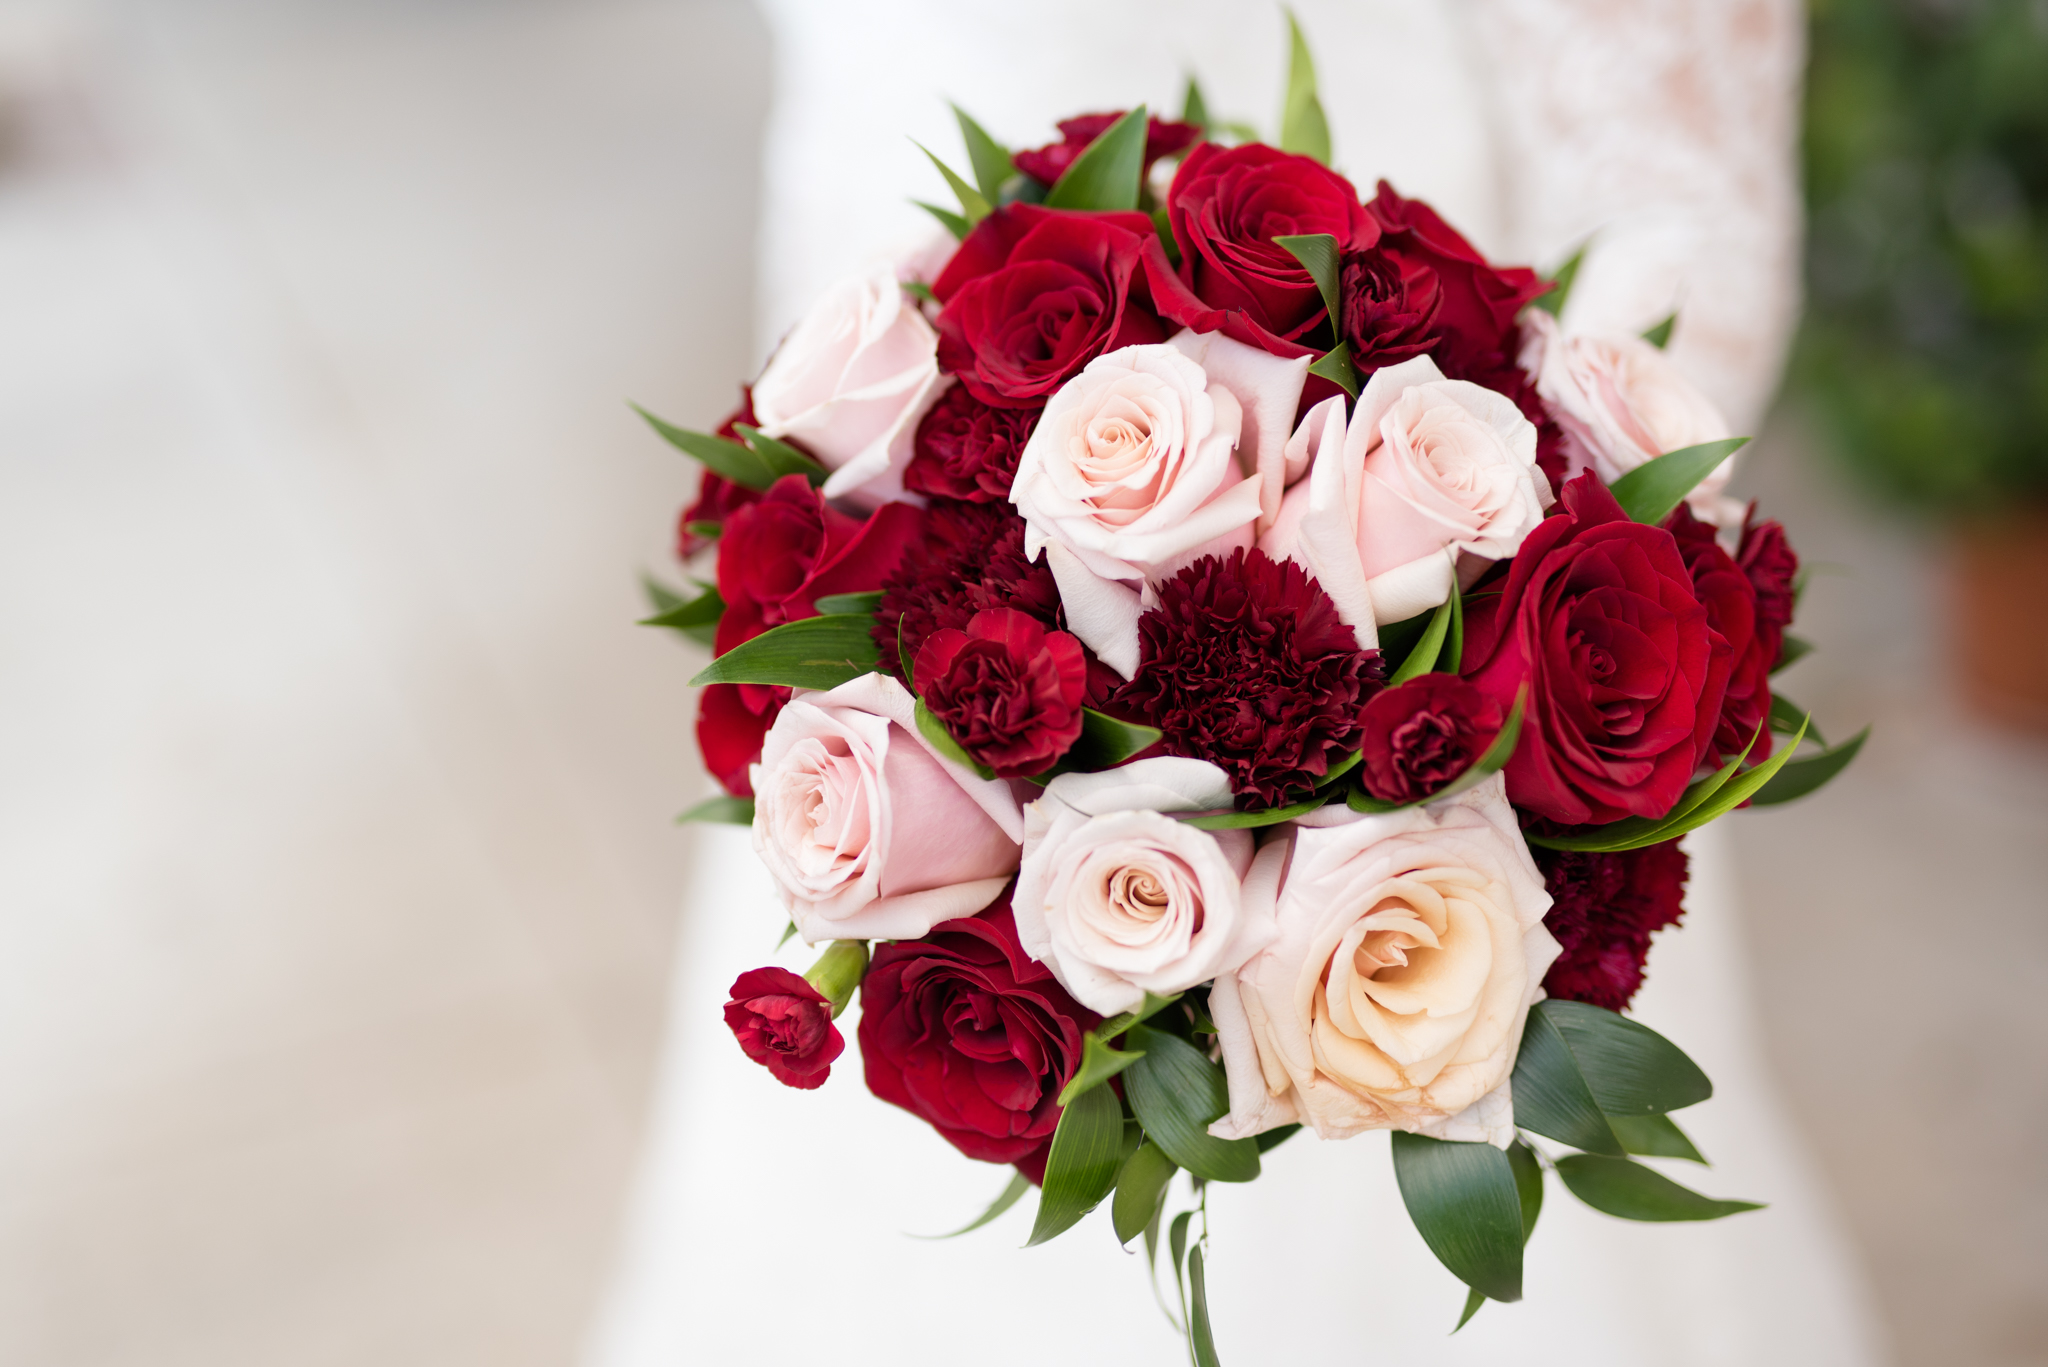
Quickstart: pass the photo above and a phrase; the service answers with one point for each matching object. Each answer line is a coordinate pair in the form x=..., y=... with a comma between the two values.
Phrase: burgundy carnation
x=717, y=497
x=966, y=1031
x=1598, y=615
x=1478, y=302
x=1421, y=734
x=967, y=449
x=732, y=721
x=1007, y=690
x=1245, y=664
x=1731, y=605
x=1226, y=206
x=971, y=559
x=1163, y=138
x=1602, y=912
x=1034, y=294
x=784, y=1024
x=1773, y=569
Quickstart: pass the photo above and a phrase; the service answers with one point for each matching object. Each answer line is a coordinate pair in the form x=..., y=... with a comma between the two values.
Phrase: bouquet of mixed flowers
x=1207, y=655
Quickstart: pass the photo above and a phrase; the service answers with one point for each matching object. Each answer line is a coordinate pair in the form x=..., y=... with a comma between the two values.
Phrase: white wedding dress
x=771, y=1225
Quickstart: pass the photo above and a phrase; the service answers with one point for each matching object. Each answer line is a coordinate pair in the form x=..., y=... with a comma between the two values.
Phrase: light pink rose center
x=831, y=806
x=1129, y=452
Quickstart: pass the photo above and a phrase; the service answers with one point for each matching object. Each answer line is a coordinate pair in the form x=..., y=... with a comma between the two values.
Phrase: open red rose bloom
x=1209, y=629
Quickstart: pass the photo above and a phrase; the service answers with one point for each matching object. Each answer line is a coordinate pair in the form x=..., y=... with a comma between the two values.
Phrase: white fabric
x=769, y=1221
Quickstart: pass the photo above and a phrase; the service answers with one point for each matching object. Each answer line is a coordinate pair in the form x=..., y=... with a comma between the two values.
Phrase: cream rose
x=849, y=384
x=870, y=834
x=1428, y=476
x=1621, y=402
x=1134, y=470
x=1410, y=948
x=1119, y=900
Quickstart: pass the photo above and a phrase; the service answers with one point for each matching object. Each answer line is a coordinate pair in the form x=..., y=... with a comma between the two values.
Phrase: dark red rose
x=1390, y=307
x=1598, y=615
x=1245, y=664
x=732, y=721
x=1226, y=206
x=1732, y=612
x=967, y=449
x=717, y=497
x=1478, y=302
x=785, y=1025
x=1047, y=164
x=1603, y=910
x=966, y=1031
x=1034, y=294
x=1422, y=734
x=780, y=555
x=970, y=560
x=1006, y=688
x=1773, y=569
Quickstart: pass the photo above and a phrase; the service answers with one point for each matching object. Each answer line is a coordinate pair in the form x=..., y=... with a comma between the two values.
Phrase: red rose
x=1047, y=164
x=1227, y=205
x=1034, y=294
x=967, y=449
x=1732, y=612
x=1006, y=688
x=780, y=555
x=732, y=721
x=1422, y=734
x=1773, y=570
x=784, y=1024
x=966, y=1031
x=1475, y=317
x=1603, y=909
x=717, y=497
x=1598, y=614
x=1391, y=306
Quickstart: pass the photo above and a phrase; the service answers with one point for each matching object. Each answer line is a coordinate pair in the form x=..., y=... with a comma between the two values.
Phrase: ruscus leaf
x=1317, y=253
x=1240, y=821
x=1335, y=366
x=727, y=459
x=1553, y=300
x=934, y=731
x=989, y=158
x=1464, y=1202
x=780, y=457
x=1427, y=651
x=1176, y=1092
x=1087, y=1149
x=1141, y=1191
x=1193, y=108
x=1200, y=1337
x=702, y=611
x=845, y=604
x=1790, y=649
x=1619, y=1187
x=1010, y=1195
x=973, y=206
x=1649, y=492
x=1630, y=1068
x=817, y=652
x=729, y=811
x=1108, y=172
x=1787, y=716
x=1654, y=1136
x=952, y=222
x=1659, y=335
x=1106, y=742
x=1303, y=127
x=1802, y=776
x=1099, y=1063
x=1552, y=1097
x=1269, y=1140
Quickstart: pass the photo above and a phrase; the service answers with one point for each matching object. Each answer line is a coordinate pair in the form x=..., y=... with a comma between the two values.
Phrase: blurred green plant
x=1926, y=160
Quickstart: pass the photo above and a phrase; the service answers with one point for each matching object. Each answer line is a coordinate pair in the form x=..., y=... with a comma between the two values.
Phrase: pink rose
x=868, y=832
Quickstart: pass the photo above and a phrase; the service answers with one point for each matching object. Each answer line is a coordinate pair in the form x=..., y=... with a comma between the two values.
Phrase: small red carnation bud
x=784, y=1024
x=1006, y=689
x=1422, y=734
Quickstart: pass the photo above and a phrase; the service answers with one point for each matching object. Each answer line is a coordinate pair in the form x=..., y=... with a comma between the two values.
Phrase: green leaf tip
x=1087, y=1151
x=728, y=811
x=1176, y=1093
x=1659, y=336
x=972, y=205
x=1626, y=1189
x=989, y=158
x=1303, y=126
x=1552, y=300
x=1465, y=1203
x=815, y=652
x=1109, y=173
x=1653, y=489
x=1009, y=1196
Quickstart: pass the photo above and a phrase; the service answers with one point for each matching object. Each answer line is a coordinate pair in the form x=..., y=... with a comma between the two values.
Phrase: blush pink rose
x=868, y=832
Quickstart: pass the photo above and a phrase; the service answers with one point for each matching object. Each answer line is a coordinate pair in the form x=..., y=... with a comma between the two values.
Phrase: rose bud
x=1006, y=689
x=784, y=1024
x=1422, y=734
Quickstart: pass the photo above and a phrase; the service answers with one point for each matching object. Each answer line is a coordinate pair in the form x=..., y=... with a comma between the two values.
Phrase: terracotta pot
x=1998, y=589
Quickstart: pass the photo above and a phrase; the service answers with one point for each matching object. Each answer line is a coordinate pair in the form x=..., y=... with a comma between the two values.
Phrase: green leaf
x=1108, y=172
x=1704, y=802
x=989, y=158
x=817, y=652
x=1335, y=366
x=934, y=730
x=1473, y=1300
x=918, y=290
x=1465, y=1203
x=1631, y=1191
x=1240, y=821
x=1141, y=1191
x=1422, y=659
x=1630, y=1068
x=1528, y=1170
x=1200, y=1337
x=1787, y=716
x=972, y=205
x=1193, y=108
x=1303, y=128
x=1147, y=1009
x=1106, y=742
x=1654, y=1136
x=1011, y=1194
x=1176, y=1091
x=729, y=811
x=1317, y=253
x=1162, y=226
x=1552, y=1097
x=1790, y=649
x=1649, y=492
x=1659, y=336
x=788, y=934
x=1802, y=776
x=903, y=660
x=952, y=222
x=1269, y=1140
x=845, y=604
x=727, y=459
x=1338, y=770
x=1099, y=1063
x=780, y=457
x=1552, y=300
x=702, y=611
x=1087, y=1148
x=1177, y=1245
x=710, y=531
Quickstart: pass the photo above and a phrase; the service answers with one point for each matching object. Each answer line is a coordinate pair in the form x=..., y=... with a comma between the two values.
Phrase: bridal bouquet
x=1207, y=655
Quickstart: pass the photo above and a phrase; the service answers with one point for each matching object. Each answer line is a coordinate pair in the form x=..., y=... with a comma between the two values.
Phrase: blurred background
x=336, y=918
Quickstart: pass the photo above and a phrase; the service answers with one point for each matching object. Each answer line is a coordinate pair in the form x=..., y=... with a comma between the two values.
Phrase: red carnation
x=1598, y=614
x=1034, y=294
x=967, y=449
x=1226, y=206
x=1245, y=664
x=1731, y=604
x=1773, y=569
x=1047, y=164
x=717, y=497
x=971, y=559
x=785, y=1025
x=1602, y=912
x=1006, y=688
x=966, y=1031
x=1421, y=734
